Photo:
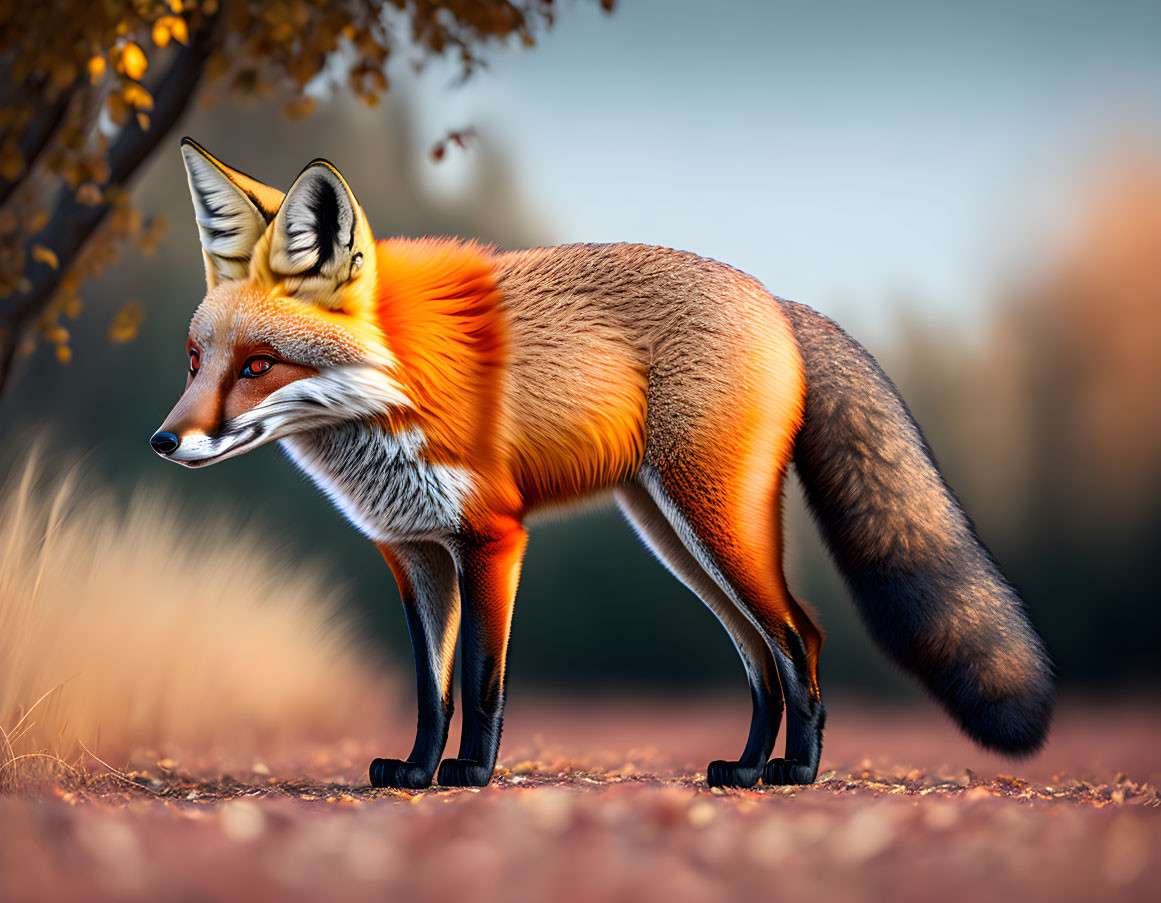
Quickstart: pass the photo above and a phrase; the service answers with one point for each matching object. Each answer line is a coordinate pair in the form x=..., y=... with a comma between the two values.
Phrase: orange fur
x=599, y=446
x=439, y=310
x=728, y=481
x=449, y=330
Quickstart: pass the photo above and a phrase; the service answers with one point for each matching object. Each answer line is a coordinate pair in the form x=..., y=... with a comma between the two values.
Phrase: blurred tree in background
x=89, y=89
x=1050, y=427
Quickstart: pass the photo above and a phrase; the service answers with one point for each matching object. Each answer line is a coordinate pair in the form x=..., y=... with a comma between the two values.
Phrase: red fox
x=439, y=392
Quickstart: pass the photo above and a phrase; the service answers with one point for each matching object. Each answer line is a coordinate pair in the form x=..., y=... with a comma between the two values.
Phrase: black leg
x=764, y=724
x=805, y=715
x=426, y=576
x=489, y=569
x=663, y=539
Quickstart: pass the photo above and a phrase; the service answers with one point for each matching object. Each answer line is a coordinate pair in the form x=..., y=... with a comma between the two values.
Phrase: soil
x=606, y=801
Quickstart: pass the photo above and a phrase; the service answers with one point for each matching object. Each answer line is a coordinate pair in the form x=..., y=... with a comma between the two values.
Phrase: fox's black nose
x=165, y=443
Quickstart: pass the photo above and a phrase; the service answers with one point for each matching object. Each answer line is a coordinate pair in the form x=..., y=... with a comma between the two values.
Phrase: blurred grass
x=129, y=626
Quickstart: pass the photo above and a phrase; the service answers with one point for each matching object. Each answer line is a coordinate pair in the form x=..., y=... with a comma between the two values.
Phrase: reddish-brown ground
x=606, y=802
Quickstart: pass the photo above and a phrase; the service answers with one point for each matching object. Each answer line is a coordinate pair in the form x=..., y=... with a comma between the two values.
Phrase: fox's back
x=622, y=346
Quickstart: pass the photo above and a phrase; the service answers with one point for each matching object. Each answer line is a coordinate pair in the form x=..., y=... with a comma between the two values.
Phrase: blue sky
x=848, y=155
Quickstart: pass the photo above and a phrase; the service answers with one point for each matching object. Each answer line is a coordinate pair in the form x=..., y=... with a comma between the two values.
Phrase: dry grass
x=126, y=627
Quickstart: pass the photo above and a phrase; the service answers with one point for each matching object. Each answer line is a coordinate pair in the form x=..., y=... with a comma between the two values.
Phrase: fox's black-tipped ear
x=320, y=239
x=232, y=212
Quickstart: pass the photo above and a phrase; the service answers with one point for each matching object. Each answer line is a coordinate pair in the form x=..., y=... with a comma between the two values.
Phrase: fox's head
x=286, y=339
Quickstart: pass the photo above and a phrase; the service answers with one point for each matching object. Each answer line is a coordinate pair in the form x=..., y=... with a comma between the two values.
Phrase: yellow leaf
x=179, y=29
x=127, y=322
x=64, y=353
x=41, y=254
x=169, y=28
x=133, y=61
x=96, y=67
x=38, y=222
x=143, y=121
x=136, y=96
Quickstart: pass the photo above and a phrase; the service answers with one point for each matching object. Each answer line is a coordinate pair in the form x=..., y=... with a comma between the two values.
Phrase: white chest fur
x=381, y=482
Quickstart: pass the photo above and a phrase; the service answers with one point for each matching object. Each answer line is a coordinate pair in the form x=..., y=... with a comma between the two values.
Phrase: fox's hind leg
x=761, y=669
x=730, y=521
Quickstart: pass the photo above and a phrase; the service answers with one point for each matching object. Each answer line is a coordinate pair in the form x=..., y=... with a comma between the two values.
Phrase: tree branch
x=37, y=136
x=73, y=223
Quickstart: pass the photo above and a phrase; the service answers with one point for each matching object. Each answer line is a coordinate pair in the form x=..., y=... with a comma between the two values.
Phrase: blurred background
x=974, y=192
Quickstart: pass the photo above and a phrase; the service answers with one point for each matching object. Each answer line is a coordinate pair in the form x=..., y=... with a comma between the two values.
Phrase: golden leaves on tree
x=83, y=74
x=169, y=28
x=131, y=61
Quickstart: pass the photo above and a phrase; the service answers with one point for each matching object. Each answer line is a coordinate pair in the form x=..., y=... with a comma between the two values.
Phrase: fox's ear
x=321, y=246
x=232, y=212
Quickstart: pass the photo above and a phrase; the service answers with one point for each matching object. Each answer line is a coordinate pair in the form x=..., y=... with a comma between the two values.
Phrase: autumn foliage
x=125, y=626
x=89, y=89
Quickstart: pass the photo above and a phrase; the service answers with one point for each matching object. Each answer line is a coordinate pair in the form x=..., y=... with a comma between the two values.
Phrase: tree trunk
x=72, y=222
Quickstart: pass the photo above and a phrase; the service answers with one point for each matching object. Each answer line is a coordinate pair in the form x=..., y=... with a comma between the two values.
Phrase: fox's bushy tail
x=928, y=590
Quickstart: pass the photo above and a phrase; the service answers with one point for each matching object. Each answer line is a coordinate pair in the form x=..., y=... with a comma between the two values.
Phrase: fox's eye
x=194, y=362
x=256, y=366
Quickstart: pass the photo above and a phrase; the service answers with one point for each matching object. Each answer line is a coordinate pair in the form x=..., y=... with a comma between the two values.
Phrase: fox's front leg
x=426, y=574
x=489, y=569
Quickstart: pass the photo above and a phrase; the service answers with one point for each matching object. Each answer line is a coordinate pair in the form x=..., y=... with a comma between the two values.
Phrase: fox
x=440, y=391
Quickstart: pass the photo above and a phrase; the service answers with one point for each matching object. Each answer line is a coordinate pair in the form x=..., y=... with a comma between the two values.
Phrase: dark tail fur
x=928, y=590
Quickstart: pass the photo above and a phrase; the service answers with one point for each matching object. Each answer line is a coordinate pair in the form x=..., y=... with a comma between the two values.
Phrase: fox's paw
x=398, y=774
x=463, y=773
x=788, y=771
x=720, y=773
